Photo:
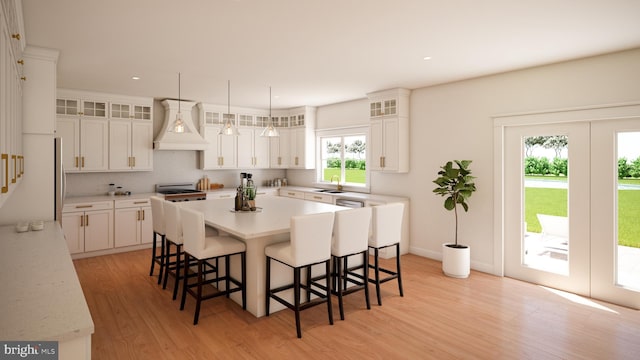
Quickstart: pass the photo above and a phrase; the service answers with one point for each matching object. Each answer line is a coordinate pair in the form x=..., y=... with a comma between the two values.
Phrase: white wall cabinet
x=303, y=140
x=221, y=152
x=11, y=77
x=85, y=143
x=88, y=226
x=133, y=222
x=280, y=149
x=130, y=145
x=253, y=149
x=388, y=144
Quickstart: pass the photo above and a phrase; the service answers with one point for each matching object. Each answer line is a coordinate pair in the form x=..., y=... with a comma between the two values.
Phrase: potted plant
x=455, y=183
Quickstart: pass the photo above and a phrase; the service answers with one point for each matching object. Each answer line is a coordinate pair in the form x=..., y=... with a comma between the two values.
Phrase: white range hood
x=168, y=139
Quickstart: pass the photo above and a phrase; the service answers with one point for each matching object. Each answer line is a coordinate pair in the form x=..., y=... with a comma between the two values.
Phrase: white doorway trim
x=501, y=122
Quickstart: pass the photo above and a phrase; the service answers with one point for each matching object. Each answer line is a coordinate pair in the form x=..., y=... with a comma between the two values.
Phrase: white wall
x=454, y=121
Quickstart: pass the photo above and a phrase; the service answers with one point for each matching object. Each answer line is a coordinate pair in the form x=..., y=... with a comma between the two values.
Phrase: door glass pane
x=546, y=222
x=628, y=239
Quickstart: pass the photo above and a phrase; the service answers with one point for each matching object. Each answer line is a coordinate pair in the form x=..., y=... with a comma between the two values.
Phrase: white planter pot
x=456, y=262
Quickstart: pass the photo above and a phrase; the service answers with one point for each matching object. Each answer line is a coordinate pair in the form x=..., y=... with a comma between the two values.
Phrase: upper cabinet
x=221, y=153
x=253, y=149
x=302, y=121
x=388, y=145
x=12, y=43
x=102, y=132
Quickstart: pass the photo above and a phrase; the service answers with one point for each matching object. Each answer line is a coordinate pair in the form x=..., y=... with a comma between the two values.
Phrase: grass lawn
x=554, y=202
x=354, y=176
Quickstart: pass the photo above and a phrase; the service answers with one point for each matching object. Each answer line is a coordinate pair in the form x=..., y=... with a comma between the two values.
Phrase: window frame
x=342, y=132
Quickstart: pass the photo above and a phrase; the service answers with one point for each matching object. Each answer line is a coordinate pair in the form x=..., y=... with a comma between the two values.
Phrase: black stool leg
x=296, y=299
x=243, y=260
x=162, y=240
x=178, y=265
x=184, y=281
x=167, y=259
x=340, y=289
x=366, y=282
x=199, y=293
x=153, y=253
x=376, y=267
x=267, y=293
x=398, y=268
x=328, y=281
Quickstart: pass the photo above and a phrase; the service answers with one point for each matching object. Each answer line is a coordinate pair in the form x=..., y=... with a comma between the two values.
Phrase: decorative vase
x=456, y=261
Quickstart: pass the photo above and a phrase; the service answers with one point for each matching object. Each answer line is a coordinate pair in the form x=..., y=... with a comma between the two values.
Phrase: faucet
x=339, y=188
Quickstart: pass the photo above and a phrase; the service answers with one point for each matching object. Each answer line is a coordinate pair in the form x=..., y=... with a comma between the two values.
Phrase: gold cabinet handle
x=317, y=197
x=83, y=206
x=21, y=62
x=86, y=223
x=23, y=78
x=14, y=158
x=16, y=36
x=83, y=161
x=5, y=187
x=141, y=202
x=142, y=215
x=76, y=161
x=81, y=220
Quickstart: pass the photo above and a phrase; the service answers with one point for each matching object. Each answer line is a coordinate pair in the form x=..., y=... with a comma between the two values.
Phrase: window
x=343, y=157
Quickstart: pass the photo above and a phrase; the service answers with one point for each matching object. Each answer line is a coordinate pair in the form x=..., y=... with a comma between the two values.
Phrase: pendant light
x=178, y=125
x=228, y=128
x=270, y=130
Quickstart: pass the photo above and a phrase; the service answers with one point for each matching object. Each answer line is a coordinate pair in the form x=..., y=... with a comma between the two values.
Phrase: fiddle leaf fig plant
x=455, y=183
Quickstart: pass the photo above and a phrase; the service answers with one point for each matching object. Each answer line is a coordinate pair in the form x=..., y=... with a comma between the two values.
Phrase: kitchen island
x=41, y=296
x=268, y=225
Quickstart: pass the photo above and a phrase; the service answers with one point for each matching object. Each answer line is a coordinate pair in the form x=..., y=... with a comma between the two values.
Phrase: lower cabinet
x=88, y=226
x=133, y=222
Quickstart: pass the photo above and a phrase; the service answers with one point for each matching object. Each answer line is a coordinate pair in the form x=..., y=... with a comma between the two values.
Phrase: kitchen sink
x=329, y=191
x=322, y=190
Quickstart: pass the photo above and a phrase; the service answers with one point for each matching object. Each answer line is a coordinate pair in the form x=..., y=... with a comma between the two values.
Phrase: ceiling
x=313, y=52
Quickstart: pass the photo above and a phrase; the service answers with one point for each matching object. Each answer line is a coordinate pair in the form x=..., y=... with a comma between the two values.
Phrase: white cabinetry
x=221, y=153
x=292, y=193
x=131, y=134
x=82, y=124
x=253, y=149
x=11, y=77
x=133, y=222
x=280, y=148
x=88, y=226
x=318, y=197
x=302, y=148
x=130, y=145
x=388, y=146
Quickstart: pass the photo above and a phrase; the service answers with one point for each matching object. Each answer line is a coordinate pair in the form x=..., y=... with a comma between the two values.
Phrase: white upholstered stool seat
x=203, y=249
x=386, y=232
x=310, y=244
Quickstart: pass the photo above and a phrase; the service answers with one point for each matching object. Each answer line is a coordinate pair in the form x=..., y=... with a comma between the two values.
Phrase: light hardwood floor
x=484, y=317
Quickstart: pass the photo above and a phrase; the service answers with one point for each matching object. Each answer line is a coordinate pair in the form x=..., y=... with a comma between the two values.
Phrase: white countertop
x=272, y=219
x=105, y=197
x=350, y=195
x=41, y=295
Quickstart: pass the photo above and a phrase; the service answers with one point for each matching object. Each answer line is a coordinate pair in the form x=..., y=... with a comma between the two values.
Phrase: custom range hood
x=179, y=132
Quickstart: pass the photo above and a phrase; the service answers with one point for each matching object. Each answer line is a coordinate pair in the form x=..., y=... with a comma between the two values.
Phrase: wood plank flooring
x=482, y=317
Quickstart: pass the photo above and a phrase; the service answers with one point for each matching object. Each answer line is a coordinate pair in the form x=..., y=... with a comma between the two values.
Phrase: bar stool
x=310, y=244
x=387, y=231
x=203, y=248
x=157, y=213
x=174, y=236
x=350, y=237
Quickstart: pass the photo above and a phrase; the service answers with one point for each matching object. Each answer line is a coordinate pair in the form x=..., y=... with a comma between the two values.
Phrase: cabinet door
x=68, y=130
x=245, y=148
x=209, y=158
x=390, y=144
x=119, y=144
x=280, y=149
x=261, y=150
x=94, y=145
x=297, y=148
x=142, y=145
x=126, y=227
x=146, y=226
x=228, y=152
x=375, y=147
x=98, y=230
x=72, y=226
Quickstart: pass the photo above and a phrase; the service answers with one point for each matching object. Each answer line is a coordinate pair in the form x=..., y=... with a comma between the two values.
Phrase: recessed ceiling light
x=426, y=58
x=135, y=78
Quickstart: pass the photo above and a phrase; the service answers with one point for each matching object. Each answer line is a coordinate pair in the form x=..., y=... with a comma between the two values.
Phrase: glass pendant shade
x=229, y=129
x=270, y=130
x=178, y=125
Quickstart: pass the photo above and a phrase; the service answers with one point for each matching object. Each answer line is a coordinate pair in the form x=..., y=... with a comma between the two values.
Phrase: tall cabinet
x=388, y=145
x=130, y=133
x=11, y=78
x=302, y=122
x=221, y=153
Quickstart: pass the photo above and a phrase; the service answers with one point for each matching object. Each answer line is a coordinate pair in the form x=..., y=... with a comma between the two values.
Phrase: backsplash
x=169, y=166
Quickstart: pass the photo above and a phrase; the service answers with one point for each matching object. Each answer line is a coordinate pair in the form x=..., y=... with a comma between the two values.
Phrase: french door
x=566, y=217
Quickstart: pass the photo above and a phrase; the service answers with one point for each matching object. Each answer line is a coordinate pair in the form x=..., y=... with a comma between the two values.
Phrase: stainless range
x=180, y=192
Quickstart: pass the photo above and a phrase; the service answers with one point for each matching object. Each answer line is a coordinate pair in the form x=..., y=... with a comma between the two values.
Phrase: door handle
x=86, y=223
